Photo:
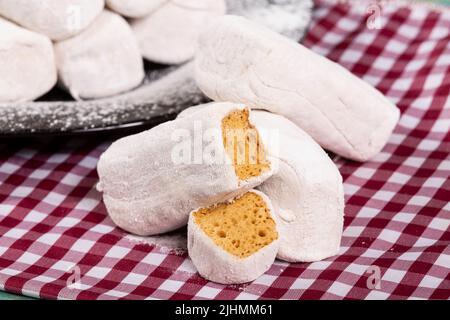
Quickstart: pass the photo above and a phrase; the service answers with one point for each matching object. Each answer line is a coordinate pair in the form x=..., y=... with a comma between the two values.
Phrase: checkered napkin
x=56, y=240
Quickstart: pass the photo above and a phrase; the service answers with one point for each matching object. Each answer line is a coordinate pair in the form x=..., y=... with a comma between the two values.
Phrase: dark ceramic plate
x=164, y=93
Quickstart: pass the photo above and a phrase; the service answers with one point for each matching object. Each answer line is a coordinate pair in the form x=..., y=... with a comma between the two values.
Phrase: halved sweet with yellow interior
x=153, y=180
x=234, y=242
x=243, y=145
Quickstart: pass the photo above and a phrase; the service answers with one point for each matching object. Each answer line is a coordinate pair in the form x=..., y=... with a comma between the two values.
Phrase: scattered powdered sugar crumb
x=288, y=17
x=239, y=287
x=174, y=243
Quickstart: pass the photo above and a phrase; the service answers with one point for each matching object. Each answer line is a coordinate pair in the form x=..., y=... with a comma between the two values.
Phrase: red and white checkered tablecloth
x=397, y=217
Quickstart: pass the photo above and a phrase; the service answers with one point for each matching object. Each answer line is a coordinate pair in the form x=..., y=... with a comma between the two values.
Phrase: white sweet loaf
x=135, y=8
x=57, y=19
x=306, y=190
x=153, y=180
x=102, y=61
x=234, y=242
x=239, y=61
x=170, y=33
x=27, y=64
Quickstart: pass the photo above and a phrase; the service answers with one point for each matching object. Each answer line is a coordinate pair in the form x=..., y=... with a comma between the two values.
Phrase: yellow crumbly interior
x=241, y=228
x=243, y=145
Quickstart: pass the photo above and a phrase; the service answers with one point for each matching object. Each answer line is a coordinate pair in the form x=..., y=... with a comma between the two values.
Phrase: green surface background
x=446, y=2
x=8, y=296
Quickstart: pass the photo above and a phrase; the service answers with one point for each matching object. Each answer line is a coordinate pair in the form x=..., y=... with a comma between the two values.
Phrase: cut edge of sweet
x=241, y=227
x=243, y=145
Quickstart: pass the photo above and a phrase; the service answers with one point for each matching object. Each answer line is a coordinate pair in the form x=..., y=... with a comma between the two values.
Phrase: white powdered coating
x=147, y=190
x=288, y=17
x=135, y=8
x=27, y=64
x=170, y=33
x=57, y=19
x=240, y=61
x=217, y=265
x=306, y=190
x=102, y=61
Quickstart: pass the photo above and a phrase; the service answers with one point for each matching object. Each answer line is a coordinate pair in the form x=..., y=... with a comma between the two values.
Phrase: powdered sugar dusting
x=163, y=94
x=173, y=243
x=288, y=17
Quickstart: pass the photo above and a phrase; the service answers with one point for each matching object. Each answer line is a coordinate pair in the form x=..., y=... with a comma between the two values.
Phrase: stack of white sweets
x=93, y=48
x=276, y=105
